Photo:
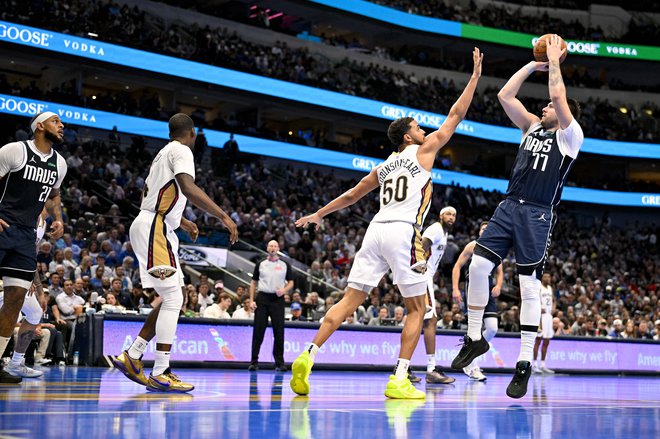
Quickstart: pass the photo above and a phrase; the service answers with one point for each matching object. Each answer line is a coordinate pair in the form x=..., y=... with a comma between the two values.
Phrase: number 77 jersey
x=406, y=189
x=543, y=162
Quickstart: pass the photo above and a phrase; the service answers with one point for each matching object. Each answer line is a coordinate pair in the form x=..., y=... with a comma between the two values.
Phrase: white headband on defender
x=447, y=209
x=41, y=118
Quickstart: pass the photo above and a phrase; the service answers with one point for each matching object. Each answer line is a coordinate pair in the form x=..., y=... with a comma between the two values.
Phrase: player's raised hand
x=553, y=48
x=478, y=58
x=538, y=66
x=56, y=230
x=309, y=219
x=3, y=225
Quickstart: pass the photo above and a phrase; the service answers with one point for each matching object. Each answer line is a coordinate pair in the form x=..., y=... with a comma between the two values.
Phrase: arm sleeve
x=255, y=274
x=61, y=171
x=182, y=160
x=289, y=272
x=11, y=157
x=570, y=140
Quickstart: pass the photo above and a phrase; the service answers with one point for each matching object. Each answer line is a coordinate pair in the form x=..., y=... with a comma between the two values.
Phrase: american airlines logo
x=26, y=36
x=40, y=175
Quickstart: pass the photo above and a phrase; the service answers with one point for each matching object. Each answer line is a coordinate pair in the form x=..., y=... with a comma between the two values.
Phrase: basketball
x=540, y=49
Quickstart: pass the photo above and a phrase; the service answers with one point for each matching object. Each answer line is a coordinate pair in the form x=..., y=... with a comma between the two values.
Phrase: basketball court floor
x=76, y=402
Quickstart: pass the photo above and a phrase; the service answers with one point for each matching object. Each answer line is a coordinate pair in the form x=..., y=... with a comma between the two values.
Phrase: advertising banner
x=197, y=256
x=229, y=343
x=271, y=148
x=110, y=53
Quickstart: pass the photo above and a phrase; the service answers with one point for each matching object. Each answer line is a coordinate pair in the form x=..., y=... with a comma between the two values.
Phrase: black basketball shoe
x=518, y=386
x=7, y=378
x=470, y=350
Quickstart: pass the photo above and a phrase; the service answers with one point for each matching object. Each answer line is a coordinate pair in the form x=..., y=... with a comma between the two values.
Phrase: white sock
x=475, y=317
x=401, y=369
x=527, y=339
x=530, y=315
x=4, y=341
x=17, y=358
x=137, y=348
x=543, y=364
x=430, y=362
x=313, y=350
x=478, y=293
x=490, y=328
x=161, y=363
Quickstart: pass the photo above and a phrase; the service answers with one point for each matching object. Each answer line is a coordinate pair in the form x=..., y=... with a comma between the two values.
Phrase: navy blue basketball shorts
x=525, y=227
x=18, y=252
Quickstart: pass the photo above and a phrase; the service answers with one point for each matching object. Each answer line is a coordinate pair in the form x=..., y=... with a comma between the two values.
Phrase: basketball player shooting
x=393, y=239
x=524, y=220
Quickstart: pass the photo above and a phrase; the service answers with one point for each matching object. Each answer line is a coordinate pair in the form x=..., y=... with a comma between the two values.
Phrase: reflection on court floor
x=101, y=403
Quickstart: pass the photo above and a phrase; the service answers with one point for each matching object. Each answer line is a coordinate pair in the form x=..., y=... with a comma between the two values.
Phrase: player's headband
x=447, y=209
x=41, y=118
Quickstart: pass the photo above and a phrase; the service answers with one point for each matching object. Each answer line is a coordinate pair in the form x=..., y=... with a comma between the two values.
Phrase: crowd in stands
x=501, y=15
x=605, y=279
x=125, y=188
x=575, y=75
x=133, y=27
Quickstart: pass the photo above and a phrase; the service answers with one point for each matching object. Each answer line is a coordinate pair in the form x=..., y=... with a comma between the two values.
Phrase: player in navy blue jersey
x=524, y=220
x=30, y=174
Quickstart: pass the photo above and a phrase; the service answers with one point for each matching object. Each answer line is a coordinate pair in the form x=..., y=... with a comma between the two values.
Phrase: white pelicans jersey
x=436, y=234
x=406, y=189
x=546, y=299
x=162, y=194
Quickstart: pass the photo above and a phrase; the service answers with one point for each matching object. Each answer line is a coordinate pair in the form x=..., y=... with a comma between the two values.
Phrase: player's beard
x=53, y=138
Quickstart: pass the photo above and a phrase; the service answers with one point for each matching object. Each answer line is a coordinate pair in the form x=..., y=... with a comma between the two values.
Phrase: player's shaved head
x=180, y=125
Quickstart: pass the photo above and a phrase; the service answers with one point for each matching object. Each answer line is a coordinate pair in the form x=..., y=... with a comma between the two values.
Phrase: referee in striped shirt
x=272, y=279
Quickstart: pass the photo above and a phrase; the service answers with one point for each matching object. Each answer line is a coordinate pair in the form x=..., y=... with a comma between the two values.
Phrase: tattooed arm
x=556, y=83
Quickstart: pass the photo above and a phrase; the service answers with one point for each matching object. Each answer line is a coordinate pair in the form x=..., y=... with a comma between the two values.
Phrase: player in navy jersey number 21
x=524, y=220
x=30, y=174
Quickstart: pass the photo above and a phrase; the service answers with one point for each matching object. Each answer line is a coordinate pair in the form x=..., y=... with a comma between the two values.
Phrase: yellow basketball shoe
x=168, y=382
x=402, y=389
x=300, y=369
x=133, y=369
